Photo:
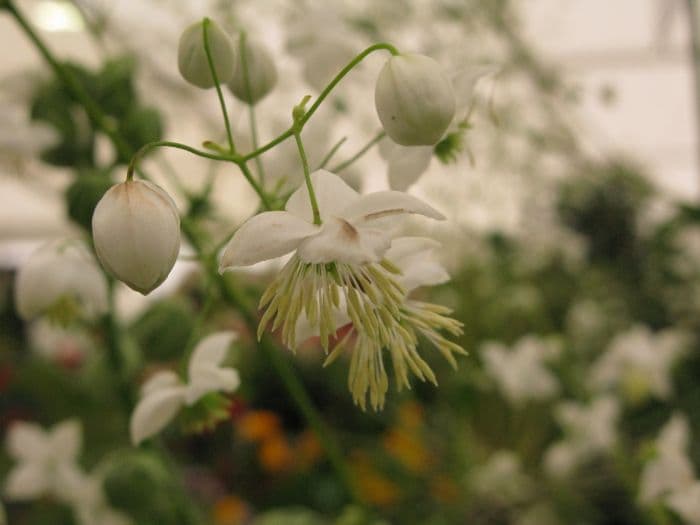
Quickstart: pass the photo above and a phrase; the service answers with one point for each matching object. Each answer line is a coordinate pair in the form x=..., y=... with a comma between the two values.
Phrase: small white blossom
x=520, y=372
x=46, y=461
x=638, y=363
x=164, y=394
x=61, y=278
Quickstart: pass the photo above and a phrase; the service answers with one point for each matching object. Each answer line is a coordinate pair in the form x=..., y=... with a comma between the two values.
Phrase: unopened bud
x=255, y=75
x=192, y=56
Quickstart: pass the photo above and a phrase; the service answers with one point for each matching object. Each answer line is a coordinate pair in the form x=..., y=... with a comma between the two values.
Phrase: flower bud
x=192, y=56
x=414, y=99
x=255, y=73
x=60, y=279
x=136, y=229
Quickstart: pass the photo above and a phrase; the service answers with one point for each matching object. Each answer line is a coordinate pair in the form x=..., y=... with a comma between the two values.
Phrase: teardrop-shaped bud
x=192, y=56
x=414, y=99
x=256, y=74
x=136, y=229
x=62, y=280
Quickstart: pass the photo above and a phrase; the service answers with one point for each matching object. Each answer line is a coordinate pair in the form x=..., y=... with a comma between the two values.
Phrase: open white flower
x=164, y=394
x=686, y=503
x=521, y=372
x=90, y=505
x=671, y=469
x=405, y=164
x=46, y=461
x=61, y=278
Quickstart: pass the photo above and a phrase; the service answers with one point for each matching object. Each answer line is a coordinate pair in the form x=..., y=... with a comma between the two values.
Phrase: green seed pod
x=192, y=56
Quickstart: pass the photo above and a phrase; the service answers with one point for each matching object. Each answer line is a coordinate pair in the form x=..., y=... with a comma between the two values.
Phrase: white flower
x=671, y=469
x=164, y=394
x=255, y=74
x=47, y=461
x=136, y=229
x=639, y=363
x=90, y=504
x=501, y=477
x=192, y=58
x=686, y=503
x=590, y=430
x=58, y=278
x=520, y=372
x=353, y=231
x=405, y=164
x=414, y=99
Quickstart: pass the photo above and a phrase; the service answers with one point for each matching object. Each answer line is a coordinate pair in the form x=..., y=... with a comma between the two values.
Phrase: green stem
x=332, y=152
x=307, y=177
x=222, y=103
x=136, y=158
x=324, y=94
x=340, y=167
x=251, y=105
x=65, y=75
x=258, y=189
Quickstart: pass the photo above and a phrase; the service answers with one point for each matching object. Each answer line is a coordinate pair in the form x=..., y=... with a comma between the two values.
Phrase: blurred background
x=573, y=242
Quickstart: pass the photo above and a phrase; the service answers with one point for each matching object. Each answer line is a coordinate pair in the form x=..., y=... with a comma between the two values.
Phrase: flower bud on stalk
x=192, y=55
x=255, y=74
x=414, y=99
x=136, y=229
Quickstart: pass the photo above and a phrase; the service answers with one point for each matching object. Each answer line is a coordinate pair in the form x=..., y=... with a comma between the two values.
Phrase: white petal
x=464, y=81
x=212, y=349
x=27, y=441
x=155, y=411
x=340, y=241
x=208, y=378
x=26, y=481
x=265, y=236
x=332, y=194
x=415, y=258
x=375, y=206
x=407, y=164
x=686, y=503
x=159, y=381
x=405, y=247
x=66, y=439
x=423, y=272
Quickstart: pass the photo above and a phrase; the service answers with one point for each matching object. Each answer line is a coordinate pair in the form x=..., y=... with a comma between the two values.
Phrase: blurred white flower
x=686, y=503
x=136, y=229
x=192, y=59
x=638, y=363
x=46, y=461
x=259, y=76
x=589, y=430
x=671, y=469
x=65, y=346
x=90, y=504
x=501, y=477
x=520, y=372
x=20, y=138
x=164, y=394
x=61, y=279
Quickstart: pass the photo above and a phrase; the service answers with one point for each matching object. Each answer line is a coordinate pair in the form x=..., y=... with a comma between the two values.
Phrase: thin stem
x=115, y=353
x=324, y=94
x=92, y=109
x=340, y=167
x=258, y=189
x=307, y=177
x=332, y=152
x=251, y=105
x=229, y=134
x=136, y=158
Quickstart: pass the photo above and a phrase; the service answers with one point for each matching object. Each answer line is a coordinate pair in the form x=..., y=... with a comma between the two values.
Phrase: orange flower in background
x=308, y=449
x=230, y=510
x=408, y=448
x=373, y=487
x=259, y=425
x=411, y=414
x=444, y=489
x=275, y=454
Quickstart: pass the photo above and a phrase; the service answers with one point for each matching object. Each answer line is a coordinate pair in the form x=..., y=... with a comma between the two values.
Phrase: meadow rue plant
x=136, y=229
x=61, y=280
x=192, y=52
x=414, y=99
x=164, y=394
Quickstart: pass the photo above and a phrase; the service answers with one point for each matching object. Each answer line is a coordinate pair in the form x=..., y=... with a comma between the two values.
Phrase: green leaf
x=83, y=195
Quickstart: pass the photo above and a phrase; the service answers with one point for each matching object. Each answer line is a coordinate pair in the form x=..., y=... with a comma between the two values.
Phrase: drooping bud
x=256, y=74
x=192, y=56
x=136, y=229
x=414, y=99
x=62, y=280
